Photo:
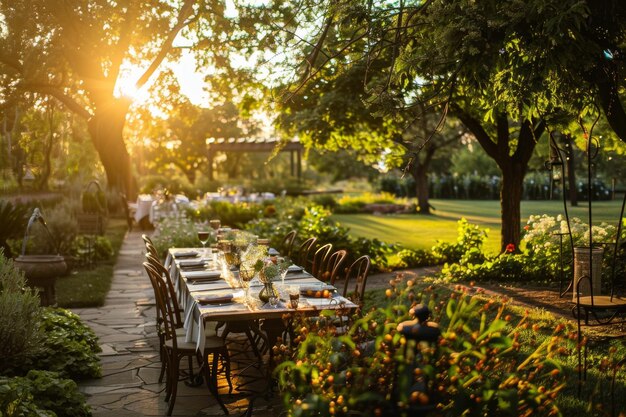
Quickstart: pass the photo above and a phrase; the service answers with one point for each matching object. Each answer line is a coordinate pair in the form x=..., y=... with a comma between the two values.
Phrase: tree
x=447, y=56
x=181, y=138
x=331, y=112
x=76, y=51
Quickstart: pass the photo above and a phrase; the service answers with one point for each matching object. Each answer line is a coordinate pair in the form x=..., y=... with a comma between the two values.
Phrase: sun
x=126, y=85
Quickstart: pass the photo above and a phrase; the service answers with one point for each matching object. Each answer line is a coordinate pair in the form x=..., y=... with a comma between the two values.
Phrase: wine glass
x=246, y=274
x=283, y=267
x=215, y=225
x=204, y=236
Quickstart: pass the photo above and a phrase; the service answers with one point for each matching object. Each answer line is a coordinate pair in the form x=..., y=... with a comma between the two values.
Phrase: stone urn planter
x=41, y=271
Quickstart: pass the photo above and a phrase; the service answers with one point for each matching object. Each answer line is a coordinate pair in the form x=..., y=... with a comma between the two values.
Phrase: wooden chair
x=286, y=246
x=331, y=269
x=177, y=348
x=305, y=248
x=320, y=258
x=146, y=239
x=357, y=273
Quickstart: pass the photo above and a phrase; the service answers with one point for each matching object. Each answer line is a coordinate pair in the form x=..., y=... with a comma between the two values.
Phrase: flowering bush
x=175, y=232
x=475, y=368
x=314, y=220
x=543, y=235
x=231, y=214
x=470, y=236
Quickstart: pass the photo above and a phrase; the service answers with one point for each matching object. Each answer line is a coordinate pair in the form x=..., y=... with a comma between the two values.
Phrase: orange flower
x=510, y=248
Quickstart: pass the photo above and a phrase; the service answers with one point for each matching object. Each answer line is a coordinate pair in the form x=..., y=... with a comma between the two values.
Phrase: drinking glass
x=283, y=267
x=204, y=236
x=294, y=295
x=215, y=225
x=246, y=274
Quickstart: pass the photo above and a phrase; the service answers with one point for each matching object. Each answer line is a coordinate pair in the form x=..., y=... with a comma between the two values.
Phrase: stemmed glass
x=246, y=274
x=204, y=236
x=215, y=225
x=283, y=267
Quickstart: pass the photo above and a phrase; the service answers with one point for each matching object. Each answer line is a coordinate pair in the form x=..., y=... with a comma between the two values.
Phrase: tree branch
x=55, y=92
x=181, y=22
x=474, y=126
x=123, y=42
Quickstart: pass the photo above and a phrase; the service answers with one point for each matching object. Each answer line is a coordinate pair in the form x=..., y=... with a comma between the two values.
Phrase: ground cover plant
x=536, y=326
x=42, y=351
x=478, y=366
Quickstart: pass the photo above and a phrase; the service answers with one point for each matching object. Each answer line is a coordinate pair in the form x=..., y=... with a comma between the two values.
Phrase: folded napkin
x=215, y=299
x=202, y=275
x=186, y=254
x=191, y=263
x=294, y=268
x=317, y=291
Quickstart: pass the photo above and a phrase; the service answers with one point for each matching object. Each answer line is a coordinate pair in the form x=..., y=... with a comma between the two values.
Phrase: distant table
x=144, y=207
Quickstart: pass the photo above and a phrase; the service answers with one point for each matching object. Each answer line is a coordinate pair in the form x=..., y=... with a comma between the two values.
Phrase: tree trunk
x=510, y=202
x=420, y=176
x=105, y=128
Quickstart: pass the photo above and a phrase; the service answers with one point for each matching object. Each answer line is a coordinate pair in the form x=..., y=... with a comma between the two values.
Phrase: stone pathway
x=125, y=326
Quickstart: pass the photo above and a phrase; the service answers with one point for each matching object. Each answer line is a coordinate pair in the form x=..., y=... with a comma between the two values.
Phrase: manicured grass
x=418, y=231
x=86, y=287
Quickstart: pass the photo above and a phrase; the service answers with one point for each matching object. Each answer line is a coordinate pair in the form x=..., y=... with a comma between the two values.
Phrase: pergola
x=243, y=145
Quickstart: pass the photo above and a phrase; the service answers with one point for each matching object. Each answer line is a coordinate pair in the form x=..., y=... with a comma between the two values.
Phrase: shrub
x=175, y=232
x=476, y=367
x=230, y=214
x=41, y=393
x=316, y=222
x=20, y=315
x=469, y=236
x=63, y=226
x=69, y=348
x=13, y=218
x=356, y=204
x=325, y=200
x=174, y=184
x=409, y=258
x=98, y=247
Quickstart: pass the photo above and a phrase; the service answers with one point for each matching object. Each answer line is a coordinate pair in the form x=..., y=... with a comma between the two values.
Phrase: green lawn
x=88, y=287
x=418, y=231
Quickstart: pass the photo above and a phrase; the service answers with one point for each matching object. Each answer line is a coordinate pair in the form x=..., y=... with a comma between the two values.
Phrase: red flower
x=510, y=248
x=527, y=227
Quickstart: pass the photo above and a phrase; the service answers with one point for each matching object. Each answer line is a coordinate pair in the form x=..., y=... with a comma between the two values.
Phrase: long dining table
x=209, y=292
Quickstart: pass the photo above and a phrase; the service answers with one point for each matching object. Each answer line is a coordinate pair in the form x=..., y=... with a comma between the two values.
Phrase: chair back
x=330, y=271
x=164, y=273
x=146, y=239
x=152, y=250
x=357, y=272
x=286, y=246
x=164, y=303
x=302, y=257
x=320, y=258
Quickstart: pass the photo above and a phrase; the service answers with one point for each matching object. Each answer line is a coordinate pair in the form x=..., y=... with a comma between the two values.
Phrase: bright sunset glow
x=126, y=85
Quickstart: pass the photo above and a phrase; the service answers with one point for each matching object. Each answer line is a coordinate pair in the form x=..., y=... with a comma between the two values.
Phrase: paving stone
x=130, y=360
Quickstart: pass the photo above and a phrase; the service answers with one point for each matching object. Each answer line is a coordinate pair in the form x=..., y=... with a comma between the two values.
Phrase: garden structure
x=295, y=150
x=585, y=267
